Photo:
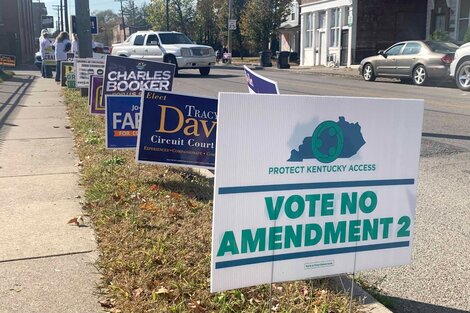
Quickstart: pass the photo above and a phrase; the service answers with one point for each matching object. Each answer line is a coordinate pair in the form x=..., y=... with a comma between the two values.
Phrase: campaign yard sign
x=318, y=187
x=49, y=56
x=66, y=70
x=7, y=60
x=177, y=130
x=84, y=67
x=122, y=121
x=126, y=76
x=95, y=95
x=259, y=84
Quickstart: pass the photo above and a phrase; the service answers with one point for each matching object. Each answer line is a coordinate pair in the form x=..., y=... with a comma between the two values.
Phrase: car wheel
x=419, y=75
x=462, y=78
x=171, y=59
x=368, y=73
x=204, y=71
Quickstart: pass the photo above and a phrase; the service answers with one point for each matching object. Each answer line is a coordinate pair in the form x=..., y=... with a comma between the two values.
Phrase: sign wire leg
x=137, y=202
x=353, y=273
x=270, y=304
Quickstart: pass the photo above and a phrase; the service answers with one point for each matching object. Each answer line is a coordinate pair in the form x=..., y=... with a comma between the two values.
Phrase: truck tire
x=171, y=59
x=204, y=71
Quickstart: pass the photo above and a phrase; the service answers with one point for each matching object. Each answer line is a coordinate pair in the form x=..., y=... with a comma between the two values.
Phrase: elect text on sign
x=126, y=76
x=316, y=192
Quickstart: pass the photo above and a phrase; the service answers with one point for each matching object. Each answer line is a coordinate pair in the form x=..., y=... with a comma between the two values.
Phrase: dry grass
x=153, y=225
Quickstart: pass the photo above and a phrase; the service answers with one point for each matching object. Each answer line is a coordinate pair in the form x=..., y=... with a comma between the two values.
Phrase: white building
x=289, y=31
x=326, y=28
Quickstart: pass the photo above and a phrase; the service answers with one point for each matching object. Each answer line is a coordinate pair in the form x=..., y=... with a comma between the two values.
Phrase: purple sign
x=259, y=84
x=95, y=93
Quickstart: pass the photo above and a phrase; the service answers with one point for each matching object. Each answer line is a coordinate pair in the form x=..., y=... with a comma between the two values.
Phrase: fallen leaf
x=191, y=204
x=175, y=195
x=76, y=221
x=137, y=292
x=55, y=126
x=67, y=127
x=154, y=187
x=162, y=290
x=107, y=303
x=195, y=306
x=148, y=206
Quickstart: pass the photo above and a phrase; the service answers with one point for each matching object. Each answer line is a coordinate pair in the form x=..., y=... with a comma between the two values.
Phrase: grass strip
x=5, y=75
x=153, y=225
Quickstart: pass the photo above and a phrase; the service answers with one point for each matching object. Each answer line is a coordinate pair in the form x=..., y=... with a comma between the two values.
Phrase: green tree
x=107, y=20
x=181, y=13
x=260, y=19
x=136, y=16
x=207, y=30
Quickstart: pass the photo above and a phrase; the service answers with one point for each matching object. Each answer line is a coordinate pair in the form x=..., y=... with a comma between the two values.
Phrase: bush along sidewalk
x=5, y=75
x=153, y=226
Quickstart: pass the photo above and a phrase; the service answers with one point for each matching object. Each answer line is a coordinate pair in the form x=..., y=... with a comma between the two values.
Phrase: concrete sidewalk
x=46, y=265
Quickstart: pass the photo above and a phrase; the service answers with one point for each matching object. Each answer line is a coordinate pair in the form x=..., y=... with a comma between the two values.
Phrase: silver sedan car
x=416, y=61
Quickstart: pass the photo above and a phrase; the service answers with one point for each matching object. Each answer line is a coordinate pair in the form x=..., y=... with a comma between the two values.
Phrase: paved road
x=438, y=279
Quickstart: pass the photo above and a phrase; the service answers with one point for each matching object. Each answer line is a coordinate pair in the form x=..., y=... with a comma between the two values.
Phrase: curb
x=367, y=303
x=307, y=70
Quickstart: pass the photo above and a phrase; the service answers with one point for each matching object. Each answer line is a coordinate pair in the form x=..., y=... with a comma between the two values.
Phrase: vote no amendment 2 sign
x=311, y=186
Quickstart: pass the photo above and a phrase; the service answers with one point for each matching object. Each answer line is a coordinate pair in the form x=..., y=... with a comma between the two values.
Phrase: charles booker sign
x=177, y=129
x=318, y=187
x=126, y=76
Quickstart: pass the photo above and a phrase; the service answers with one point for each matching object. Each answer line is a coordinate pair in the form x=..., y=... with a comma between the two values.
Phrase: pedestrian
x=75, y=45
x=62, y=45
x=45, y=45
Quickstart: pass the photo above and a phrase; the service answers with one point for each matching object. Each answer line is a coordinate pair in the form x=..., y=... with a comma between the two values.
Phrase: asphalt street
x=438, y=279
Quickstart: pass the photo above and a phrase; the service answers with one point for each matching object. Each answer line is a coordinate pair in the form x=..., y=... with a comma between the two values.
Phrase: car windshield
x=441, y=46
x=174, y=38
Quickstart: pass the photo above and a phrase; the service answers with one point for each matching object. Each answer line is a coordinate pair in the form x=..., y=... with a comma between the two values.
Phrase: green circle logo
x=327, y=142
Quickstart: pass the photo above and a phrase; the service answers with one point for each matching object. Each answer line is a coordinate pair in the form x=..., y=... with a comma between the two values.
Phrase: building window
x=464, y=18
x=309, y=30
x=321, y=20
x=334, y=30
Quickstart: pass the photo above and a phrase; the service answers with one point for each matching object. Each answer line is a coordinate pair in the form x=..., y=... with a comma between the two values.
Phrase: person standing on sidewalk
x=45, y=44
x=75, y=45
x=62, y=45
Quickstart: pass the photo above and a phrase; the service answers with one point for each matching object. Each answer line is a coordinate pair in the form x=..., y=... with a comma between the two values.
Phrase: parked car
x=170, y=47
x=416, y=61
x=460, y=67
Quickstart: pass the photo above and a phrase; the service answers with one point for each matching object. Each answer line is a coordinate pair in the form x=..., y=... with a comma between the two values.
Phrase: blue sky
x=95, y=5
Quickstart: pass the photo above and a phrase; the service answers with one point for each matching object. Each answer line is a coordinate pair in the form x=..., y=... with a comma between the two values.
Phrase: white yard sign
x=86, y=67
x=311, y=186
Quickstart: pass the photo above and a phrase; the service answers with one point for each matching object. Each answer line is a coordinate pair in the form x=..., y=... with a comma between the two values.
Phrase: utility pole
x=82, y=17
x=66, y=13
x=123, y=21
x=57, y=8
x=229, y=44
x=61, y=16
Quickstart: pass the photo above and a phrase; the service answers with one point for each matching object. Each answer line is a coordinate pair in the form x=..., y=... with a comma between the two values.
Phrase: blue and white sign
x=122, y=121
x=309, y=189
x=93, y=24
x=177, y=130
x=259, y=84
x=126, y=76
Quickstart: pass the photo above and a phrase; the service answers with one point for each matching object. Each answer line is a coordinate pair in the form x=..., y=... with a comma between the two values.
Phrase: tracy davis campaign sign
x=126, y=76
x=259, y=84
x=306, y=187
x=122, y=121
x=177, y=129
x=95, y=92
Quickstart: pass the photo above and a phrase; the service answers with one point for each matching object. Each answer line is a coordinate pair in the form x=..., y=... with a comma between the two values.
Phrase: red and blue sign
x=177, y=130
x=122, y=121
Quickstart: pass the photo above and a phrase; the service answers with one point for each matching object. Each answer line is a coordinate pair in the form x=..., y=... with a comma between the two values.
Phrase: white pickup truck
x=170, y=47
